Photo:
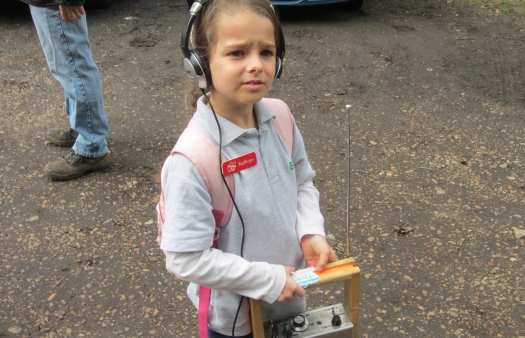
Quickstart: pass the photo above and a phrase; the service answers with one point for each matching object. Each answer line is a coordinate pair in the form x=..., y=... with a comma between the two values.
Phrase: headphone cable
x=231, y=195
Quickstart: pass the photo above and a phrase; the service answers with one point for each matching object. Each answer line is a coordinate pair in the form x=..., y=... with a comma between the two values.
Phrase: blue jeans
x=68, y=55
x=213, y=334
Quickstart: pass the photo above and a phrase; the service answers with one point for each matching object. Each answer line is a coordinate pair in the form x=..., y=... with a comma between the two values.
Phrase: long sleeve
x=310, y=221
x=228, y=272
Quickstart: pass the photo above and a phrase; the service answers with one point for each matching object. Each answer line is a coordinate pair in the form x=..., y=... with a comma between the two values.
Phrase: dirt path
x=437, y=169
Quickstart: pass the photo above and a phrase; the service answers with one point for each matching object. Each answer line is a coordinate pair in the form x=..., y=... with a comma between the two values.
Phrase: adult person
x=62, y=29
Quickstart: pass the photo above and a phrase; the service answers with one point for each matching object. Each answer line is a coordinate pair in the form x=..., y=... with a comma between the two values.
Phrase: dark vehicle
x=350, y=4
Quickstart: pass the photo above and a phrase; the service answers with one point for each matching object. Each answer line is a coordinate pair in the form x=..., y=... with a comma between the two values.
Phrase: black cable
x=231, y=195
x=236, y=316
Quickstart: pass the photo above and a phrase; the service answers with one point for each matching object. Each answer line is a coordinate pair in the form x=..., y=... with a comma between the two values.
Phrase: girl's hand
x=316, y=251
x=71, y=13
x=291, y=288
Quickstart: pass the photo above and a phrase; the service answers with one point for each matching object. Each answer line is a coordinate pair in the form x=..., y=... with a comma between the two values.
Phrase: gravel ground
x=437, y=169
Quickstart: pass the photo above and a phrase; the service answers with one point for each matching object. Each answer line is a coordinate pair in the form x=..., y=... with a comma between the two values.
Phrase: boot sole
x=60, y=143
x=66, y=177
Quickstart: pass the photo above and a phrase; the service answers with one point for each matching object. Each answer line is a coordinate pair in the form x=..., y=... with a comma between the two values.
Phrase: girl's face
x=242, y=60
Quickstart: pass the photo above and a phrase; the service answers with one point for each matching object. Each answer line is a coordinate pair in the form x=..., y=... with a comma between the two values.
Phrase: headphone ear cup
x=205, y=67
x=278, y=67
x=197, y=69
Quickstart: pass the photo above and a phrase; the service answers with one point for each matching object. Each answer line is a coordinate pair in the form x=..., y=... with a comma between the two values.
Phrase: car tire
x=97, y=4
x=354, y=4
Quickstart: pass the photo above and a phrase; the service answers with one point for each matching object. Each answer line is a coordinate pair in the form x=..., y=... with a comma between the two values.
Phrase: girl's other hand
x=317, y=252
x=291, y=288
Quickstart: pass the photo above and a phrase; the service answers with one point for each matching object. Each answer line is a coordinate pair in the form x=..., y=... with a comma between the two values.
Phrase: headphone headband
x=185, y=38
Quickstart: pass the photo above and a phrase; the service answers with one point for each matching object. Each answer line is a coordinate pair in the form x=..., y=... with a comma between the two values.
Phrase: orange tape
x=336, y=269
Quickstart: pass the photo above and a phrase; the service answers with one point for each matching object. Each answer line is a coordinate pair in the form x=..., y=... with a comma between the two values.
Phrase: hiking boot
x=62, y=137
x=73, y=165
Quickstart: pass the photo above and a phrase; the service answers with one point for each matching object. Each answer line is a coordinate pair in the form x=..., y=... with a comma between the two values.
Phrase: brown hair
x=204, y=31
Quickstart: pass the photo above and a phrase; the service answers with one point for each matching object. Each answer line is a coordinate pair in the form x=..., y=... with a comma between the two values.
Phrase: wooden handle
x=337, y=271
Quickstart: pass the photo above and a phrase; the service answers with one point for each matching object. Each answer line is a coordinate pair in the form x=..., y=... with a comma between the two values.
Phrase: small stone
x=440, y=192
x=32, y=219
x=373, y=143
x=15, y=329
x=518, y=233
x=370, y=239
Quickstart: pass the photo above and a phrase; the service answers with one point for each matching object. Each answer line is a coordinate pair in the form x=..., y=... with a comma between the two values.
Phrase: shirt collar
x=229, y=130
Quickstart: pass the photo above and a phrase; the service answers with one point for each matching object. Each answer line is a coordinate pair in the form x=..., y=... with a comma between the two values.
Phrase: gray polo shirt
x=268, y=198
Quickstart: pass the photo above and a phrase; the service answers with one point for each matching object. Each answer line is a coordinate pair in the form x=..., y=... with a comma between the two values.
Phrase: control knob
x=299, y=323
x=336, y=319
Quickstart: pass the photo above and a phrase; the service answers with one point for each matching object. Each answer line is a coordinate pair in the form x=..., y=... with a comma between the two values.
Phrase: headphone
x=195, y=63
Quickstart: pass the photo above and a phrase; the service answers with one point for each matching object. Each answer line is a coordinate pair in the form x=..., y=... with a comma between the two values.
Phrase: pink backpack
x=203, y=153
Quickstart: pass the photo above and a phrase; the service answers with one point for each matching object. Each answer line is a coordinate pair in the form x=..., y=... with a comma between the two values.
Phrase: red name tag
x=239, y=163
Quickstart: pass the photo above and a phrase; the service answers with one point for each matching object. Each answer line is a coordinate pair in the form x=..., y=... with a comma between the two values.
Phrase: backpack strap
x=283, y=121
x=204, y=154
x=202, y=314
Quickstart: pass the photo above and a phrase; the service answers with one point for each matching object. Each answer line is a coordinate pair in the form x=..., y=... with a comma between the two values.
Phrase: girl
x=278, y=225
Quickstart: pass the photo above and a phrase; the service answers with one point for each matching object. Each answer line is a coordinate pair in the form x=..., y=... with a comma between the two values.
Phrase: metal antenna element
x=348, y=106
